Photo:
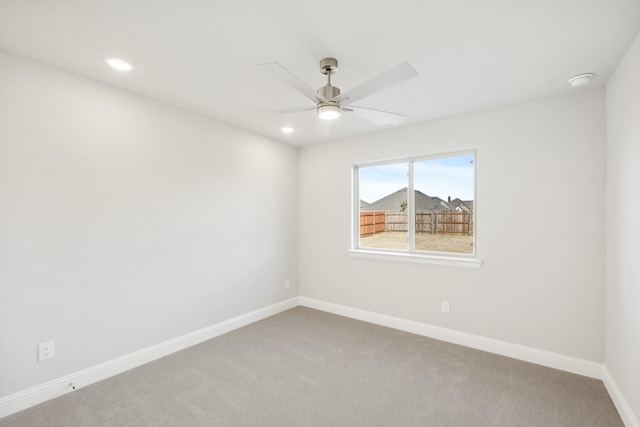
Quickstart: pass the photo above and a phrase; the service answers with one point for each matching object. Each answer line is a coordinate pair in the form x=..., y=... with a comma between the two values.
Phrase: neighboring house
x=365, y=206
x=394, y=201
x=460, y=205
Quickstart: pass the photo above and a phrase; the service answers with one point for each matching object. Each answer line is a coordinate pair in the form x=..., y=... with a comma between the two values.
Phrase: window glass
x=444, y=204
x=437, y=216
x=383, y=206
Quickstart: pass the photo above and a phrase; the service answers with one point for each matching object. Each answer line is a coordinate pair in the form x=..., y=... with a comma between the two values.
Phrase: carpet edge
x=43, y=392
x=528, y=354
x=629, y=418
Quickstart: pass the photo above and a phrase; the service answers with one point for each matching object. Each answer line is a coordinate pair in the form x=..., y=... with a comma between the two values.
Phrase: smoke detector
x=580, y=79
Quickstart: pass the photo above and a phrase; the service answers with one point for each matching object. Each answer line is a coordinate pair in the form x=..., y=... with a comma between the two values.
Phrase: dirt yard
x=424, y=242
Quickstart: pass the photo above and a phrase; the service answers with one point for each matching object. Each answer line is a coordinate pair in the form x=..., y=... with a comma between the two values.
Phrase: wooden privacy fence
x=439, y=222
x=371, y=223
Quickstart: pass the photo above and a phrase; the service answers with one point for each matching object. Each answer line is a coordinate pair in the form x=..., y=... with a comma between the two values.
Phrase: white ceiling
x=202, y=55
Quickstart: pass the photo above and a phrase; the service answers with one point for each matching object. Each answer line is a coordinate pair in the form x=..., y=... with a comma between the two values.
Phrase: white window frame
x=410, y=255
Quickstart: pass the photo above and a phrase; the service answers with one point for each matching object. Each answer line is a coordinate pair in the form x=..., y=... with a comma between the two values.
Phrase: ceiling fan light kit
x=328, y=111
x=329, y=100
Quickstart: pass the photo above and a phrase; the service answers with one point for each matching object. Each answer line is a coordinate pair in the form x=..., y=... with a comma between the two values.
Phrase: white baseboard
x=624, y=409
x=43, y=392
x=528, y=354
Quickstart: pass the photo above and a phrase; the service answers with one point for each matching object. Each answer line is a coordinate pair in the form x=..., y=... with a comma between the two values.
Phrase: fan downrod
x=329, y=66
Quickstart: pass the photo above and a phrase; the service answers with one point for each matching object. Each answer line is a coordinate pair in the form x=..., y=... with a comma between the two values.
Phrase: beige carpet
x=308, y=368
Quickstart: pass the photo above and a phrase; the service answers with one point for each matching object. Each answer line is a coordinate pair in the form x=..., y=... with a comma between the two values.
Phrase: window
x=422, y=207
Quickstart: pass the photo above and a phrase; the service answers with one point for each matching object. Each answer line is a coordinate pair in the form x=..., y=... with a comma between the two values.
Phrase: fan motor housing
x=329, y=92
x=328, y=66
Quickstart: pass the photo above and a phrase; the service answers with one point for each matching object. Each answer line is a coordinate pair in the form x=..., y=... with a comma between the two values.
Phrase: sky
x=451, y=176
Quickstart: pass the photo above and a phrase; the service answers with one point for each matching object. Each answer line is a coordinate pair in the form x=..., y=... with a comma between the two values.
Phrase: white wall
x=125, y=222
x=623, y=228
x=540, y=235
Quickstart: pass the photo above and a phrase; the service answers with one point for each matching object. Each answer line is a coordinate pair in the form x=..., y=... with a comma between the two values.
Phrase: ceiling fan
x=330, y=102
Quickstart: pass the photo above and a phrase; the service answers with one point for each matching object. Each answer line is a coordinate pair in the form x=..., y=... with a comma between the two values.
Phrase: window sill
x=455, y=261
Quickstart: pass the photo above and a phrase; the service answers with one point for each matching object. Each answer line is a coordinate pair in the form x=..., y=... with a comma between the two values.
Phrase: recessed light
x=580, y=79
x=118, y=64
x=286, y=129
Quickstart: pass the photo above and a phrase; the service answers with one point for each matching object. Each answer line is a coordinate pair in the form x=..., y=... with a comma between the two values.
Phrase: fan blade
x=387, y=79
x=291, y=80
x=323, y=127
x=378, y=117
x=284, y=111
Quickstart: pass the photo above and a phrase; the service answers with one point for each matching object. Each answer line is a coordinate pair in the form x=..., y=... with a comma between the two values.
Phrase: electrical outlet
x=287, y=284
x=46, y=350
x=445, y=307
